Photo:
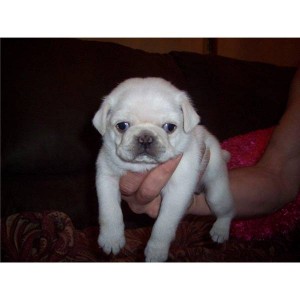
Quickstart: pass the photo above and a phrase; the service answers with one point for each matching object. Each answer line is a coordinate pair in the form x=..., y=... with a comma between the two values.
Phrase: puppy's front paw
x=219, y=232
x=156, y=252
x=111, y=241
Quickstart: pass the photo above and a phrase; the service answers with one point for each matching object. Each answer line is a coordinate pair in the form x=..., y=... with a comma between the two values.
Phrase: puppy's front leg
x=111, y=237
x=173, y=207
x=177, y=197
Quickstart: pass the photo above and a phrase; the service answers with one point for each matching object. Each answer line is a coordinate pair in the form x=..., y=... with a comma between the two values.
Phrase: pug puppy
x=145, y=122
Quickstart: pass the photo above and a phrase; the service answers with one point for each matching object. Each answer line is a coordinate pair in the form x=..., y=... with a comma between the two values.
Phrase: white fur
x=147, y=104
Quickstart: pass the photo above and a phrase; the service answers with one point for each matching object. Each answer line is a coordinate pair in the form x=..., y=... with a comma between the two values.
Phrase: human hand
x=142, y=191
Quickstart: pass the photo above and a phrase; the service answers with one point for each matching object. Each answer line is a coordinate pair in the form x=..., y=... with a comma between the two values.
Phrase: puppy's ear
x=100, y=118
x=190, y=118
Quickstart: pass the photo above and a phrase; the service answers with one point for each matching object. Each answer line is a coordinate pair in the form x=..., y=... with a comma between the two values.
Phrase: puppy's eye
x=169, y=127
x=122, y=126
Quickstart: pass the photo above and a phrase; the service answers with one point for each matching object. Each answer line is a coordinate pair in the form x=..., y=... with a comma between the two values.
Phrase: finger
x=130, y=182
x=199, y=206
x=156, y=180
x=151, y=208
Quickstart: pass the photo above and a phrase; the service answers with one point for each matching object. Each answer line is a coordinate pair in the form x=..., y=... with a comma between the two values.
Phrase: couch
x=51, y=89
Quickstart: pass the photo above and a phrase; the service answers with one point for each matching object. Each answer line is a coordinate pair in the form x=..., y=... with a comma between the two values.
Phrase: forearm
x=255, y=192
x=275, y=180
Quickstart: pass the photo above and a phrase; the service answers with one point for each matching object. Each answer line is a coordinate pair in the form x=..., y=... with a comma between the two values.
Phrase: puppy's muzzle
x=146, y=143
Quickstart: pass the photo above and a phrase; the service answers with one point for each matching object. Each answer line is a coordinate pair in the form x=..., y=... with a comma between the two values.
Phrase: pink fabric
x=245, y=151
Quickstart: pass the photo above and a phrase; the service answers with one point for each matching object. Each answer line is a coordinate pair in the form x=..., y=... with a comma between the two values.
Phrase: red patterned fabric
x=50, y=236
x=46, y=236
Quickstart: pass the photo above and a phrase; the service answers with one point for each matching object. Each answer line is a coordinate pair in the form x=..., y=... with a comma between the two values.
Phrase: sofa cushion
x=232, y=96
x=50, y=90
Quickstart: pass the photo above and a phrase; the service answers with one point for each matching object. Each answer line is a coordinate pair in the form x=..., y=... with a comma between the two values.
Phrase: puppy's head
x=146, y=120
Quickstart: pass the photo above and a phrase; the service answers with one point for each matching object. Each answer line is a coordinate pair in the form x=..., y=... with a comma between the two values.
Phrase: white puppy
x=145, y=122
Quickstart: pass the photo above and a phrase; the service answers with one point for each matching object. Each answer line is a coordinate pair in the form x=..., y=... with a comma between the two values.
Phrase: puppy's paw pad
x=111, y=243
x=219, y=234
x=156, y=254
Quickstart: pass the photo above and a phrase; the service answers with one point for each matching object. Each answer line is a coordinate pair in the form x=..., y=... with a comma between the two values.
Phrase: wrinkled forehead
x=148, y=106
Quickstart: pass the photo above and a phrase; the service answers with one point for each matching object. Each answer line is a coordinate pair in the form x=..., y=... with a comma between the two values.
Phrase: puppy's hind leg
x=219, y=199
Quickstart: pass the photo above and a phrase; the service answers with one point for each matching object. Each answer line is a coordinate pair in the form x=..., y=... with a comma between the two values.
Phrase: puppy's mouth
x=147, y=150
x=136, y=154
x=140, y=157
x=145, y=158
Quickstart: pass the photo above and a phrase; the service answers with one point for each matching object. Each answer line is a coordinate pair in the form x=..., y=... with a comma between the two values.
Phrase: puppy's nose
x=145, y=140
